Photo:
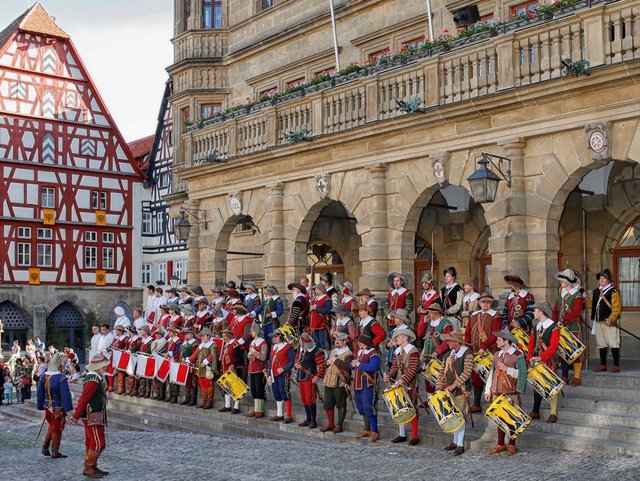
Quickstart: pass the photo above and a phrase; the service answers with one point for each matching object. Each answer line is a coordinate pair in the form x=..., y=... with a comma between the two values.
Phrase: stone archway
x=65, y=328
x=15, y=325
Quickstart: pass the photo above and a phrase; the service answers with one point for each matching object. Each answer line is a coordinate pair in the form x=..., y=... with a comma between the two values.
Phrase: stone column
x=507, y=218
x=193, y=244
x=274, y=270
x=374, y=253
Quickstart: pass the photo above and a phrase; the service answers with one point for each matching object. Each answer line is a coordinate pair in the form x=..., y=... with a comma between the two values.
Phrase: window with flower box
x=209, y=110
x=376, y=57
x=413, y=44
x=331, y=72
x=268, y=92
x=524, y=8
x=296, y=83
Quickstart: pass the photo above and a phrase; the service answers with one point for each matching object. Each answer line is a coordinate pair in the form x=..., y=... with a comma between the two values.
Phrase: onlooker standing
x=95, y=330
x=39, y=345
x=27, y=371
x=30, y=349
x=1, y=378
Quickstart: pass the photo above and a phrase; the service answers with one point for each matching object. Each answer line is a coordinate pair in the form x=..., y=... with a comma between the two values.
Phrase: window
x=488, y=19
x=24, y=254
x=98, y=200
x=185, y=115
x=107, y=257
x=146, y=274
x=146, y=223
x=162, y=272
x=91, y=236
x=328, y=71
x=212, y=14
x=376, y=57
x=264, y=4
x=209, y=110
x=159, y=223
x=269, y=92
x=45, y=234
x=24, y=232
x=45, y=255
x=107, y=237
x=90, y=257
x=179, y=270
x=296, y=83
x=48, y=197
x=524, y=8
x=626, y=262
x=413, y=44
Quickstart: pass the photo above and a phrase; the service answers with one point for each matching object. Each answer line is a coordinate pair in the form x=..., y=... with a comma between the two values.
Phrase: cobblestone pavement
x=177, y=456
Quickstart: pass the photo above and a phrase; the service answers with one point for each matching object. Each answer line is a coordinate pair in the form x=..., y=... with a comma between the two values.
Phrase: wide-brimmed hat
x=197, y=291
x=231, y=285
x=515, y=280
x=173, y=327
x=544, y=307
x=200, y=300
x=174, y=306
x=145, y=329
x=185, y=289
x=307, y=341
x=132, y=329
x=98, y=361
x=232, y=293
x=298, y=286
x=393, y=275
x=456, y=336
x=505, y=334
x=341, y=310
x=486, y=297
x=348, y=286
x=159, y=330
x=187, y=330
x=119, y=327
x=56, y=361
x=327, y=277
x=427, y=277
x=472, y=281
x=320, y=287
x=450, y=270
x=404, y=332
x=401, y=314
x=172, y=290
x=340, y=335
x=187, y=309
x=271, y=288
x=119, y=310
x=229, y=333
x=366, y=340
x=163, y=307
x=239, y=307
x=205, y=332
x=366, y=292
x=217, y=289
x=435, y=307
x=569, y=276
x=364, y=307
x=604, y=272
x=249, y=285
x=278, y=333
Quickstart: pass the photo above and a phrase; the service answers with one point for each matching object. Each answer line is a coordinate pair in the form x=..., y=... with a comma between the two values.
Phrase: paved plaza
x=177, y=456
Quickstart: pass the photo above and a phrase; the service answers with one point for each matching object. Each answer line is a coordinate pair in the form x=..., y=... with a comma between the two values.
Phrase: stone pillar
x=374, y=253
x=507, y=218
x=193, y=245
x=274, y=270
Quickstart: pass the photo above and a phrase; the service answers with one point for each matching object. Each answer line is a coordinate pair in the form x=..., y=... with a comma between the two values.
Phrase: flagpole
x=429, y=23
x=335, y=35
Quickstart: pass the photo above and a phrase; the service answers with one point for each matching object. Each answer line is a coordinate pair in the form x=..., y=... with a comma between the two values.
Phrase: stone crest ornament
x=598, y=140
x=323, y=185
x=235, y=203
x=439, y=165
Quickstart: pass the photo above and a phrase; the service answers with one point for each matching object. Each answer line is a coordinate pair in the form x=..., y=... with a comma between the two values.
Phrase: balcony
x=199, y=45
x=523, y=53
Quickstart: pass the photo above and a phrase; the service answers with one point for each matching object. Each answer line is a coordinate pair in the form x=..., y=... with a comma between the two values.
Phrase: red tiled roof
x=35, y=20
x=141, y=148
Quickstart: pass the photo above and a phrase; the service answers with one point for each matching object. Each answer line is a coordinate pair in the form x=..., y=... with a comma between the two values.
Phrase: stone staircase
x=601, y=416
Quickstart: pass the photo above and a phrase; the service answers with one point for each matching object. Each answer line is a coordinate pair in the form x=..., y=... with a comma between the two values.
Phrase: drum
x=522, y=337
x=446, y=411
x=544, y=381
x=570, y=348
x=232, y=385
x=399, y=405
x=508, y=416
x=432, y=371
x=290, y=335
x=484, y=363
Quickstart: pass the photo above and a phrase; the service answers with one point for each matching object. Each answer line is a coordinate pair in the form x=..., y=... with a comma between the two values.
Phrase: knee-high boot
x=121, y=380
x=56, y=439
x=46, y=443
x=194, y=396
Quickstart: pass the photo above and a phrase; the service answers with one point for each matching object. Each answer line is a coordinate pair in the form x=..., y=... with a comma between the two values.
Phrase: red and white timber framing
x=60, y=150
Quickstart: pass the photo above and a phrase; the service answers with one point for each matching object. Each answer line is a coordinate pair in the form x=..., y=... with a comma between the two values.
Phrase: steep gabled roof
x=140, y=149
x=34, y=20
x=13, y=27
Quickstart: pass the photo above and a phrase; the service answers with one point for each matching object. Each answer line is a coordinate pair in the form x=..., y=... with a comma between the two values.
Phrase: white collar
x=511, y=350
x=257, y=341
x=491, y=312
x=275, y=297
x=341, y=350
x=319, y=298
x=370, y=301
x=300, y=294
x=250, y=296
x=365, y=351
x=398, y=291
x=435, y=322
x=147, y=340
x=406, y=348
x=95, y=373
x=190, y=341
x=605, y=287
x=365, y=321
x=471, y=297
x=346, y=299
x=401, y=326
x=429, y=293
x=343, y=321
x=206, y=344
x=52, y=373
x=134, y=337
x=544, y=324
x=279, y=346
x=460, y=352
x=571, y=291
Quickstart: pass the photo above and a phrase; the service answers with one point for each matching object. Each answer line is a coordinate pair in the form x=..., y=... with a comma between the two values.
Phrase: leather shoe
x=534, y=415
x=235, y=411
x=459, y=450
x=363, y=434
x=312, y=425
x=451, y=447
x=224, y=410
x=288, y=420
x=399, y=439
x=373, y=437
x=600, y=368
x=258, y=415
x=576, y=382
x=552, y=419
x=615, y=369
x=327, y=428
x=277, y=418
x=475, y=409
x=511, y=449
x=252, y=414
x=337, y=429
x=304, y=423
x=414, y=441
x=565, y=379
x=498, y=448
x=46, y=452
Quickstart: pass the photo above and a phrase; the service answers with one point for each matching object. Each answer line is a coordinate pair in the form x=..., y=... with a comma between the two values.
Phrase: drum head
x=452, y=423
x=404, y=416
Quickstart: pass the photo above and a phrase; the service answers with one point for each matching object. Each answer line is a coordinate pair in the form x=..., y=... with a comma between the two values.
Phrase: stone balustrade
x=202, y=44
x=603, y=35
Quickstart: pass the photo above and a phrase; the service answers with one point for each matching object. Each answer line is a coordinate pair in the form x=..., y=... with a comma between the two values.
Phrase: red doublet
x=202, y=319
x=227, y=356
x=171, y=347
x=134, y=344
x=279, y=359
x=397, y=301
x=145, y=347
x=241, y=329
x=426, y=300
x=348, y=303
x=548, y=351
x=317, y=319
x=479, y=331
x=256, y=365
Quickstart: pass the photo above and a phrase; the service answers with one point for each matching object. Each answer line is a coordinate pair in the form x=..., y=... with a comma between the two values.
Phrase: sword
x=40, y=432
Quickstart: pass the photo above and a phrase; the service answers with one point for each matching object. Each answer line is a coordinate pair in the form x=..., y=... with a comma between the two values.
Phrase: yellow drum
x=484, y=363
x=508, y=416
x=570, y=348
x=290, y=335
x=522, y=337
x=544, y=381
x=399, y=405
x=432, y=371
x=233, y=385
x=446, y=411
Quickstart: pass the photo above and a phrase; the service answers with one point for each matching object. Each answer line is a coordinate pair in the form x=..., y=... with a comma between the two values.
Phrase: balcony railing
x=531, y=52
x=200, y=44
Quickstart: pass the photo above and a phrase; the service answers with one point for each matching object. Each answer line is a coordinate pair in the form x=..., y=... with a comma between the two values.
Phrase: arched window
x=323, y=258
x=626, y=266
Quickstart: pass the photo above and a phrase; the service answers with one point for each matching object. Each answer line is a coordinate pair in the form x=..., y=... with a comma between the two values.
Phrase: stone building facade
x=371, y=189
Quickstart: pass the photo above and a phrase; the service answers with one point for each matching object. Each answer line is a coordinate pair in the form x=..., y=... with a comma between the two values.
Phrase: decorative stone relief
x=323, y=185
x=598, y=140
x=235, y=203
x=440, y=169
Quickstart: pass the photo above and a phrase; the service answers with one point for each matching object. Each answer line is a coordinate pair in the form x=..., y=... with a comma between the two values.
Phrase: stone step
x=534, y=439
x=583, y=417
x=616, y=380
x=590, y=404
x=602, y=392
x=603, y=432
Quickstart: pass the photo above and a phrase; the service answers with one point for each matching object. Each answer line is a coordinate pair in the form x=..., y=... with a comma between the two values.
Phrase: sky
x=126, y=47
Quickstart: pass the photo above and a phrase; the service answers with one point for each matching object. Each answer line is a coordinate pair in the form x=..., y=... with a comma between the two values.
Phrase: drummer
x=404, y=370
x=400, y=320
x=230, y=355
x=543, y=345
x=508, y=376
x=456, y=379
x=434, y=347
x=479, y=336
x=365, y=367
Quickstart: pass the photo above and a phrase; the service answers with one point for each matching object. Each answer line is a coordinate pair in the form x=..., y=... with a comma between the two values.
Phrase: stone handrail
x=603, y=35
